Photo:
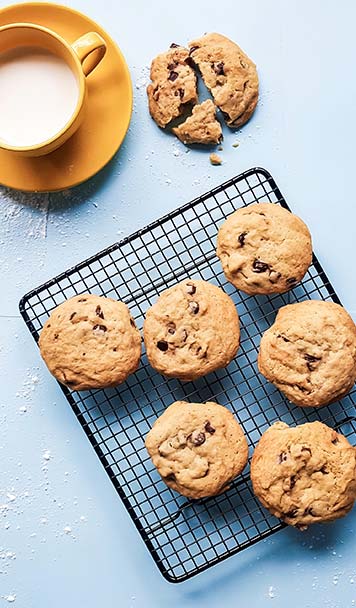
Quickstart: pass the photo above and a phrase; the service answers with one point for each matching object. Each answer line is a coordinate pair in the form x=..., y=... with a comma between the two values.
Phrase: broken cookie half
x=229, y=74
x=174, y=85
x=202, y=127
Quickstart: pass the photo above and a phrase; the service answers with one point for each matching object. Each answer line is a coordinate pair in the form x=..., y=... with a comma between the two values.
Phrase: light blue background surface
x=65, y=537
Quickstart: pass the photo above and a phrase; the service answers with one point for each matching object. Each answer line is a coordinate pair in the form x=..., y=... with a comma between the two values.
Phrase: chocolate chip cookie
x=202, y=127
x=304, y=474
x=197, y=448
x=229, y=74
x=191, y=330
x=264, y=249
x=174, y=85
x=309, y=352
x=90, y=342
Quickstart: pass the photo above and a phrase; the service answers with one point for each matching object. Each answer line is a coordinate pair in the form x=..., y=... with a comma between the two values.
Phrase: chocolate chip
x=283, y=338
x=189, y=61
x=242, y=64
x=282, y=457
x=72, y=316
x=311, y=360
x=181, y=93
x=292, y=513
x=191, y=288
x=193, y=49
x=335, y=438
x=259, y=266
x=291, y=281
x=99, y=328
x=306, y=449
x=82, y=300
x=99, y=312
x=174, y=45
x=241, y=238
x=309, y=511
x=293, y=480
x=184, y=335
x=171, y=328
x=162, y=345
x=324, y=470
x=197, y=438
x=301, y=388
x=209, y=429
x=173, y=76
x=219, y=68
x=171, y=66
x=56, y=336
x=194, y=307
x=170, y=477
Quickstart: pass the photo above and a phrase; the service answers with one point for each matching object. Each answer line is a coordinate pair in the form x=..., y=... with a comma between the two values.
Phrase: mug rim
x=81, y=88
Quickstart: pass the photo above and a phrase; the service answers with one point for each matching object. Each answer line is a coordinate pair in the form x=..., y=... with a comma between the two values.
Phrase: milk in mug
x=38, y=95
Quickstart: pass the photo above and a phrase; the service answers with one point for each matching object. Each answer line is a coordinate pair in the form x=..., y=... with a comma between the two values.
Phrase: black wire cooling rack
x=185, y=537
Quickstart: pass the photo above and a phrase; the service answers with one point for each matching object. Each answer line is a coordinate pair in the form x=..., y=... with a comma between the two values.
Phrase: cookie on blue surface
x=229, y=74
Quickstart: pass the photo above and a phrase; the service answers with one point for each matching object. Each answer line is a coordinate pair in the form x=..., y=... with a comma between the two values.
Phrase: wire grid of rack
x=185, y=537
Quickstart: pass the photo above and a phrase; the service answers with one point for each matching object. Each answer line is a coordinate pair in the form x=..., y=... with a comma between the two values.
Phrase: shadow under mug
x=82, y=56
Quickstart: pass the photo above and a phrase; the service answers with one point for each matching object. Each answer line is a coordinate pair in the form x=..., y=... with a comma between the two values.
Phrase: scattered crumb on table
x=236, y=144
x=215, y=159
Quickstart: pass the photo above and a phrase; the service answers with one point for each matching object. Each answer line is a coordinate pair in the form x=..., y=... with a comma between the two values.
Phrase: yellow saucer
x=107, y=117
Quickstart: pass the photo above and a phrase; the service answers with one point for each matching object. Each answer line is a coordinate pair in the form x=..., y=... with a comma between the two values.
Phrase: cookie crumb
x=215, y=159
x=236, y=144
x=220, y=148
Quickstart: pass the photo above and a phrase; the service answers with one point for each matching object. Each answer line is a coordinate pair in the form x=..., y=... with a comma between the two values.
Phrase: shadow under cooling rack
x=185, y=537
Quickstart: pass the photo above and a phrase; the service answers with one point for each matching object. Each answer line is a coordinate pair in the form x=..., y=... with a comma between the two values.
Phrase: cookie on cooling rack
x=197, y=448
x=191, y=330
x=173, y=87
x=264, y=249
x=229, y=74
x=304, y=474
x=90, y=342
x=309, y=352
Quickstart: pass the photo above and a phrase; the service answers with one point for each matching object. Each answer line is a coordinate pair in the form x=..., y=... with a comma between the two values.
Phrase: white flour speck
x=352, y=580
x=271, y=593
x=47, y=455
x=44, y=520
x=23, y=409
x=335, y=579
x=10, y=598
x=11, y=497
x=67, y=530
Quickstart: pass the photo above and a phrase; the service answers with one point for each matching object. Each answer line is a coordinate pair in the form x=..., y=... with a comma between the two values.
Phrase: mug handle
x=91, y=46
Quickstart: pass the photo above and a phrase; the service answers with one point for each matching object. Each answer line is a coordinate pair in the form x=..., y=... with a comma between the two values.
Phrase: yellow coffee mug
x=82, y=56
